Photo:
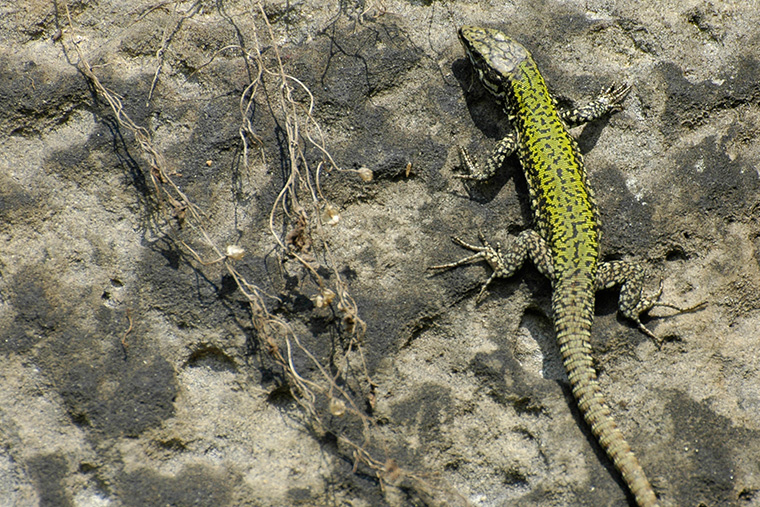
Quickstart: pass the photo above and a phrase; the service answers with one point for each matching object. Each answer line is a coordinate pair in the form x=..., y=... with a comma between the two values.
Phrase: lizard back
x=563, y=208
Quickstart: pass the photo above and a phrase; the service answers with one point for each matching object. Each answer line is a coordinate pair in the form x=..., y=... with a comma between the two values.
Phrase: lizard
x=564, y=244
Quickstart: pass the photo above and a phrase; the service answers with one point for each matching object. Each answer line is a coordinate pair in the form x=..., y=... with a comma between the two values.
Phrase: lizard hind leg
x=505, y=261
x=633, y=303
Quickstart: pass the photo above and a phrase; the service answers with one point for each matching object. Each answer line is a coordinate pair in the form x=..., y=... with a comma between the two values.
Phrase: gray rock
x=133, y=374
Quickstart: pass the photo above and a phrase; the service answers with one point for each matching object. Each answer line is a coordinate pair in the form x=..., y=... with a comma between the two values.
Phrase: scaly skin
x=565, y=243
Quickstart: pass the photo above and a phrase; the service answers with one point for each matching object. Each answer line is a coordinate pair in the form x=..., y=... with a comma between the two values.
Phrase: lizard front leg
x=501, y=151
x=608, y=101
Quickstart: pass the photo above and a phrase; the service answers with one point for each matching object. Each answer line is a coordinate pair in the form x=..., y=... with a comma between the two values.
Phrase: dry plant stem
x=299, y=125
x=129, y=329
x=290, y=109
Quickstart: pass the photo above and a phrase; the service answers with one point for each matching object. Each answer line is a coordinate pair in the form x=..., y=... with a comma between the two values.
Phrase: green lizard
x=565, y=243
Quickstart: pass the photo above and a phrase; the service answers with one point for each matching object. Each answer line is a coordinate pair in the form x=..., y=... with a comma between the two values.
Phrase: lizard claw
x=615, y=94
x=679, y=309
x=656, y=339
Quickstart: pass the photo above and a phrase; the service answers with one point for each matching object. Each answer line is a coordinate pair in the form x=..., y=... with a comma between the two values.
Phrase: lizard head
x=496, y=57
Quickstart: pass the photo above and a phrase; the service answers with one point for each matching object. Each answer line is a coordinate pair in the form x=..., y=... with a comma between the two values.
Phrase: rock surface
x=134, y=374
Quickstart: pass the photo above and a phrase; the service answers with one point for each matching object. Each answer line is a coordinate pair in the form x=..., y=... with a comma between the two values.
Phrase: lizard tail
x=573, y=327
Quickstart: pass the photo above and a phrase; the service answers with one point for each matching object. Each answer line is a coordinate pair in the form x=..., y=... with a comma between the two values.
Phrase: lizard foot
x=650, y=302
